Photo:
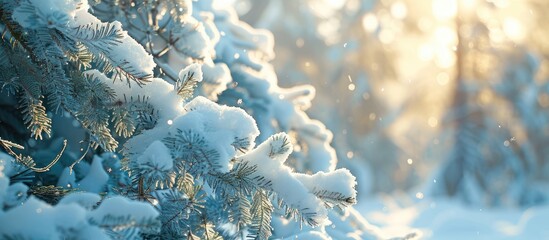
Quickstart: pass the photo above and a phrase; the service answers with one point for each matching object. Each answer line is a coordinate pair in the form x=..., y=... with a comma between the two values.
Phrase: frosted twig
x=7, y=145
x=81, y=157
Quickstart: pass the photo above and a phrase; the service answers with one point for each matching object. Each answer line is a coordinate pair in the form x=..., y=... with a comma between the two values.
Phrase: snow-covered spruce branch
x=191, y=166
x=218, y=34
x=113, y=50
x=300, y=191
x=78, y=215
x=61, y=40
x=177, y=38
x=199, y=139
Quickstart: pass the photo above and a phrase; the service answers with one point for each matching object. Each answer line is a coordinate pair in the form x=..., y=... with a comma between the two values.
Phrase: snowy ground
x=447, y=219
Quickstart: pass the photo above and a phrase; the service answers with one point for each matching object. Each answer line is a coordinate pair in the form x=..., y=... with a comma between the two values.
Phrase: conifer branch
x=332, y=199
x=35, y=117
x=280, y=144
x=28, y=161
x=88, y=145
x=261, y=219
x=187, y=81
x=51, y=194
x=16, y=36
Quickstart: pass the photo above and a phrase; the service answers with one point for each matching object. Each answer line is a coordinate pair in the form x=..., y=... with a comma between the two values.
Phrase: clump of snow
x=16, y=194
x=220, y=125
x=96, y=179
x=192, y=39
x=85, y=199
x=291, y=190
x=131, y=52
x=216, y=78
x=158, y=92
x=9, y=195
x=6, y=164
x=67, y=178
x=32, y=213
x=288, y=108
x=193, y=69
x=157, y=154
x=35, y=219
x=121, y=207
x=246, y=51
x=229, y=120
x=207, y=19
x=240, y=40
x=340, y=180
x=295, y=189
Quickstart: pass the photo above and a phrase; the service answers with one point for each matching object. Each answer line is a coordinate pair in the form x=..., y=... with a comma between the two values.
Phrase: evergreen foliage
x=127, y=73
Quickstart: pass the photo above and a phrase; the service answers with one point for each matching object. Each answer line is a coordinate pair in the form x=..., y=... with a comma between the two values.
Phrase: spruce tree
x=115, y=127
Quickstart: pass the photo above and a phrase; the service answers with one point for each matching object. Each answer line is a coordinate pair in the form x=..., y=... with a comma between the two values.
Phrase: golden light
x=468, y=4
x=444, y=9
x=445, y=36
x=443, y=78
x=399, y=10
x=386, y=36
x=445, y=58
x=335, y=4
x=425, y=52
x=513, y=29
x=370, y=22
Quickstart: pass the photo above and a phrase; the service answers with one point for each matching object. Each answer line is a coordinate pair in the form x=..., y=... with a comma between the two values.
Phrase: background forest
x=279, y=119
x=438, y=107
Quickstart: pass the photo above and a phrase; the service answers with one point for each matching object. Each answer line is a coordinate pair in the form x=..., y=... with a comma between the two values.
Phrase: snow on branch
x=247, y=52
x=206, y=131
x=189, y=77
x=311, y=195
x=77, y=215
x=112, y=48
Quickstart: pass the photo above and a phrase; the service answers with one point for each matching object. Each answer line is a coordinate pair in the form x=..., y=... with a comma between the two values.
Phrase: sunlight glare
x=399, y=10
x=444, y=9
x=468, y=4
x=443, y=78
x=445, y=58
x=370, y=22
x=386, y=36
x=513, y=29
x=445, y=36
x=425, y=52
